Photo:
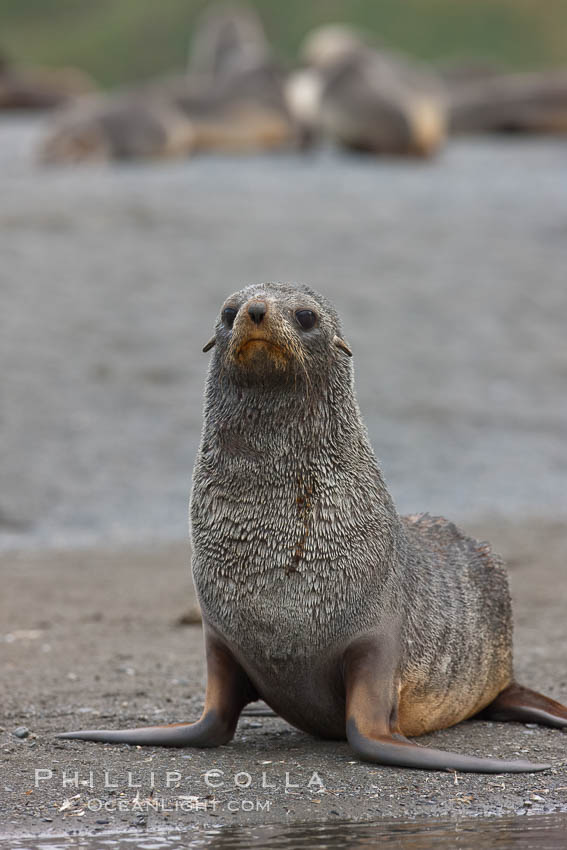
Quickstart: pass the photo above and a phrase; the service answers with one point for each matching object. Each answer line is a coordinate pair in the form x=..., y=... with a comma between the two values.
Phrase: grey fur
x=298, y=547
x=346, y=618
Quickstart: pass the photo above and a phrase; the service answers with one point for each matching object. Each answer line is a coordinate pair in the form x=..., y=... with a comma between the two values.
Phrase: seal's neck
x=293, y=419
x=293, y=528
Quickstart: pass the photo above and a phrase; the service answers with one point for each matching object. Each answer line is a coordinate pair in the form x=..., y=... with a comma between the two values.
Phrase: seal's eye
x=228, y=316
x=306, y=319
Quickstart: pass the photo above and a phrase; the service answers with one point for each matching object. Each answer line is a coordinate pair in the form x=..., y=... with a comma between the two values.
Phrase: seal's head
x=272, y=332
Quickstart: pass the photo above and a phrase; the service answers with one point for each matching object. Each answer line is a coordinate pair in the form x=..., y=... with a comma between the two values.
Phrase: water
x=548, y=832
x=450, y=277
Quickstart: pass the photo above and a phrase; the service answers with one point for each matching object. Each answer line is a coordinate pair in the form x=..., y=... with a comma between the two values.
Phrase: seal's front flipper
x=371, y=717
x=209, y=731
x=397, y=751
x=526, y=706
x=228, y=691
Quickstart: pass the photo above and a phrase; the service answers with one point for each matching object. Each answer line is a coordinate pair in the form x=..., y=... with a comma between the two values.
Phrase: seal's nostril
x=257, y=311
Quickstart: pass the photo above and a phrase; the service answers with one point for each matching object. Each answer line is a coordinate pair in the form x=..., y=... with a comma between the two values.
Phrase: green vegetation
x=123, y=40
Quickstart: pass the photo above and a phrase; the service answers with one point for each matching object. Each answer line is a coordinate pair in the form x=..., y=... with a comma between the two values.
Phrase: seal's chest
x=277, y=634
x=272, y=615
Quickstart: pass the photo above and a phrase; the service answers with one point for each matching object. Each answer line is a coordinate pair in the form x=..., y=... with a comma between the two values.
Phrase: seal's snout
x=261, y=343
x=257, y=310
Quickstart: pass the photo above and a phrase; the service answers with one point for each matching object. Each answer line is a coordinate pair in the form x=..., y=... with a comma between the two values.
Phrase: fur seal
x=367, y=99
x=119, y=127
x=175, y=117
x=226, y=38
x=346, y=618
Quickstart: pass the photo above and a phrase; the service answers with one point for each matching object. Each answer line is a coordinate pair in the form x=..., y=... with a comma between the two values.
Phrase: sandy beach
x=93, y=638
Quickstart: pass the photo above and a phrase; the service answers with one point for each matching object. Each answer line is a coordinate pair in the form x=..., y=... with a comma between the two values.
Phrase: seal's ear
x=210, y=344
x=340, y=343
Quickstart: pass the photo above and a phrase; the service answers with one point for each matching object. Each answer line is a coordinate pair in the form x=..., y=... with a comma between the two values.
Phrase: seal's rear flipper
x=258, y=709
x=397, y=751
x=209, y=731
x=526, y=706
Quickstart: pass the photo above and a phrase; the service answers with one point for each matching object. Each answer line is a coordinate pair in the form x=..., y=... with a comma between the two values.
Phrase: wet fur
x=298, y=546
